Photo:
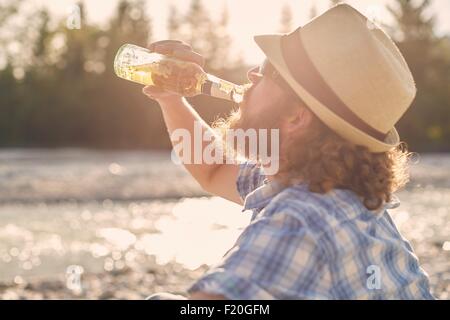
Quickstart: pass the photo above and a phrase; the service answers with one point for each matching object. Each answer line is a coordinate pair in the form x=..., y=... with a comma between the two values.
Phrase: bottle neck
x=222, y=89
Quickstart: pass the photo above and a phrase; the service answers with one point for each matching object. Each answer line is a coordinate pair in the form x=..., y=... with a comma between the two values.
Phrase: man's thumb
x=151, y=90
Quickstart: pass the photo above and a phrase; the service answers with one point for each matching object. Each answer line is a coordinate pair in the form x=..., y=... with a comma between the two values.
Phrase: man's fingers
x=158, y=94
x=169, y=48
x=188, y=55
x=156, y=43
x=152, y=90
x=177, y=49
x=166, y=46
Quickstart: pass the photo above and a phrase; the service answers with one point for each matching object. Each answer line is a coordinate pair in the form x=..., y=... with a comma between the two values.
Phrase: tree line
x=58, y=87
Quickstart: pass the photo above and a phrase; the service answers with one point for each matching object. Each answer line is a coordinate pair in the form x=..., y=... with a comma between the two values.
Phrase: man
x=320, y=229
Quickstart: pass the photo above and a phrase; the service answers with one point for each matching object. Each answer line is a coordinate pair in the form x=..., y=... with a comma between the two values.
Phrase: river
x=106, y=210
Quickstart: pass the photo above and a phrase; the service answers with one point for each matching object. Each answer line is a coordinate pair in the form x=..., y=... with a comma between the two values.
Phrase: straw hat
x=348, y=72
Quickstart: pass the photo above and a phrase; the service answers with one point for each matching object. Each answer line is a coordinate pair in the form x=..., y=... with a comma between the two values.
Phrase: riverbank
x=136, y=224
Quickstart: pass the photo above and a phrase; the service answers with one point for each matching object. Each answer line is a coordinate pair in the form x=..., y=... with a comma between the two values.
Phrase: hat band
x=305, y=73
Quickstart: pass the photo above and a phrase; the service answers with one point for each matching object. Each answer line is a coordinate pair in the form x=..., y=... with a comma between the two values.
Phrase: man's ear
x=299, y=120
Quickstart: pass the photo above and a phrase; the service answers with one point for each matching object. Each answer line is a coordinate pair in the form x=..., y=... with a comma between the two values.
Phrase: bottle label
x=223, y=89
x=219, y=90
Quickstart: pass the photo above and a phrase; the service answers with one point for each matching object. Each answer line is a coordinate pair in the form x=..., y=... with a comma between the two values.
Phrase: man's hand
x=176, y=49
x=216, y=178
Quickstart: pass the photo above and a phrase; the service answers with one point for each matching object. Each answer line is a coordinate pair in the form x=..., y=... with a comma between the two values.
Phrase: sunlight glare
x=200, y=231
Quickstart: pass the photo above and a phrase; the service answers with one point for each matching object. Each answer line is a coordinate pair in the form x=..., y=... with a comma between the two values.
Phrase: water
x=78, y=207
x=110, y=210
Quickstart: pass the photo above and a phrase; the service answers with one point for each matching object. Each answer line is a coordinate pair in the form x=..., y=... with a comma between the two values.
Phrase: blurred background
x=91, y=205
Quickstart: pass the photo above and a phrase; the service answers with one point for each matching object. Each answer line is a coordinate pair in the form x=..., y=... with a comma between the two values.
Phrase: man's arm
x=218, y=179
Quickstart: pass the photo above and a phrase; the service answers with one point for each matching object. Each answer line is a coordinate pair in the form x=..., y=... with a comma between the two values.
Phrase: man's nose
x=253, y=75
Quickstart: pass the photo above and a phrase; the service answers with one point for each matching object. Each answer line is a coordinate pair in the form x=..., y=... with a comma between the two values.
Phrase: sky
x=247, y=17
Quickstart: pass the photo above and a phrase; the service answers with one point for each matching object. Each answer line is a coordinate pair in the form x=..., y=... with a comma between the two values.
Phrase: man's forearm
x=179, y=114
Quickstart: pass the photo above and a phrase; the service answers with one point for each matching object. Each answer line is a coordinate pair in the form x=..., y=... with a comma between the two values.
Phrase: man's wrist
x=169, y=101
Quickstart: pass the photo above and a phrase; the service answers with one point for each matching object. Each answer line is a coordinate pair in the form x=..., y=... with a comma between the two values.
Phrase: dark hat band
x=306, y=74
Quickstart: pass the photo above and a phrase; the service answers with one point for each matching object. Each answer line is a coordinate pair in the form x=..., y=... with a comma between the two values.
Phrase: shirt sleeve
x=250, y=177
x=274, y=258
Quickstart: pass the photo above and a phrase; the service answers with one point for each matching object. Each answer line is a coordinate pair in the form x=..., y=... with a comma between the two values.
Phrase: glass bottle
x=188, y=79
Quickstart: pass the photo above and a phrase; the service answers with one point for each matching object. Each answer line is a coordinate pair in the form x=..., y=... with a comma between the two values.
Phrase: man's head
x=336, y=89
x=269, y=103
x=310, y=151
x=271, y=100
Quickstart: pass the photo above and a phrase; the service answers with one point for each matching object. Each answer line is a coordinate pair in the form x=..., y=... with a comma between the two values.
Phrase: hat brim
x=271, y=46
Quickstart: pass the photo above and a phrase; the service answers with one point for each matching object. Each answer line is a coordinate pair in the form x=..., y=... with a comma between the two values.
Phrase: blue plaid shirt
x=305, y=245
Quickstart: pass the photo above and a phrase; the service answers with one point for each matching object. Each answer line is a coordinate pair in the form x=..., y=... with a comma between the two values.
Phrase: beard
x=240, y=118
x=270, y=117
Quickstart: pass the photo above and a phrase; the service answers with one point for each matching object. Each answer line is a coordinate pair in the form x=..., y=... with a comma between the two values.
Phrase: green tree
x=426, y=125
x=286, y=19
x=41, y=45
x=129, y=25
x=335, y=2
x=10, y=132
x=196, y=25
x=173, y=23
x=313, y=11
x=210, y=38
x=22, y=73
x=51, y=113
x=206, y=36
x=61, y=90
x=126, y=116
x=8, y=10
x=219, y=44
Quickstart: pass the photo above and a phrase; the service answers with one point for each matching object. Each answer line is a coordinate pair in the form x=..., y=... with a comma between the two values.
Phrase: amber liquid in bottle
x=185, y=78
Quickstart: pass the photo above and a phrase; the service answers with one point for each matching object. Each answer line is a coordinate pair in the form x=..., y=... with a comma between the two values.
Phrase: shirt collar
x=393, y=204
x=262, y=195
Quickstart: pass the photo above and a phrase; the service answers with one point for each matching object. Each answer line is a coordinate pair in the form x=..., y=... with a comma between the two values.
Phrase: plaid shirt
x=305, y=245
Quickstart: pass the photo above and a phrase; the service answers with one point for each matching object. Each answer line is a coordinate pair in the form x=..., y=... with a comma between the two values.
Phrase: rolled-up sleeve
x=274, y=258
x=250, y=177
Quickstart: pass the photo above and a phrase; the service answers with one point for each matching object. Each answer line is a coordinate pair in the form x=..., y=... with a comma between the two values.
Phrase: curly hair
x=322, y=159
x=325, y=161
